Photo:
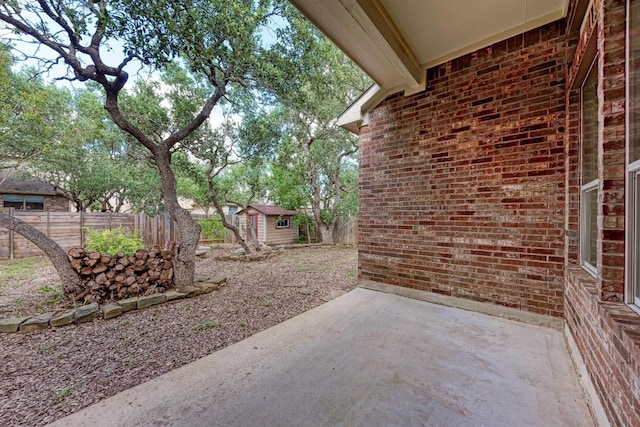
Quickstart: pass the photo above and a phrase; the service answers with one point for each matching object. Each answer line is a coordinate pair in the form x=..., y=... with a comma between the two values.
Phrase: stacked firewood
x=108, y=277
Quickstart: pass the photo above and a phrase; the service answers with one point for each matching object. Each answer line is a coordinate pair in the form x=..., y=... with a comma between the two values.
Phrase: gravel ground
x=49, y=374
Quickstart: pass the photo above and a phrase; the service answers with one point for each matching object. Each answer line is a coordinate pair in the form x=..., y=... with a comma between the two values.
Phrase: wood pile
x=108, y=277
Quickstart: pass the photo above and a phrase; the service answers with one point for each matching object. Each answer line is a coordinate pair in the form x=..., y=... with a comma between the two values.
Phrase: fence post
x=82, y=229
x=11, y=236
x=169, y=225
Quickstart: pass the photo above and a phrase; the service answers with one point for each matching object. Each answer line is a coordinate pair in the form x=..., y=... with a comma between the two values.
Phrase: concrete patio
x=367, y=358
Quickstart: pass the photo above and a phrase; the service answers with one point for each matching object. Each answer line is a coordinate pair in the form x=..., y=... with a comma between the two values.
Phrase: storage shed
x=267, y=224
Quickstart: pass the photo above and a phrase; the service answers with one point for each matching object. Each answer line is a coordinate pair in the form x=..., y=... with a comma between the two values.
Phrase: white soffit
x=394, y=41
x=439, y=30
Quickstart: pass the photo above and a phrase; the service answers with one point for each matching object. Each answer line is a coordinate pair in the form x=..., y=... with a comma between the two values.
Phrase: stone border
x=88, y=313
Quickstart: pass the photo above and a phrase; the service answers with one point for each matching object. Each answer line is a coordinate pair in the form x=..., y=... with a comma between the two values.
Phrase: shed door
x=252, y=227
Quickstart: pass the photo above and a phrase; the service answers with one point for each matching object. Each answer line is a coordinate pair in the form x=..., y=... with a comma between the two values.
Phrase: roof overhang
x=395, y=41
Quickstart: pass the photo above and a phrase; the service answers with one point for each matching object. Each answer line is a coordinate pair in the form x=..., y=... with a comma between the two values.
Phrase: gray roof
x=10, y=183
x=271, y=210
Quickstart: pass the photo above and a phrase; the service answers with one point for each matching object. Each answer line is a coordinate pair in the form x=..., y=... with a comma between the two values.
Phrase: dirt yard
x=49, y=374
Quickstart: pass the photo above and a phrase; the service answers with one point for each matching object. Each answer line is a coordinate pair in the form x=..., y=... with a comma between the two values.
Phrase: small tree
x=230, y=155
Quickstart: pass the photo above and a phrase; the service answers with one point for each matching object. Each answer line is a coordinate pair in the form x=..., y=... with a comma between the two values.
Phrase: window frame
x=278, y=227
x=632, y=273
x=587, y=190
x=632, y=178
x=24, y=200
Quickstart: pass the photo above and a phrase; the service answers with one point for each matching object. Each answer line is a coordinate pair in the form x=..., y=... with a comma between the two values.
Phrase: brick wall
x=462, y=185
x=607, y=335
x=56, y=204
x=606, y=330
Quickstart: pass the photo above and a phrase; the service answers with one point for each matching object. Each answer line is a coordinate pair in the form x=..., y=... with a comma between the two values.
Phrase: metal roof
x=271, y=210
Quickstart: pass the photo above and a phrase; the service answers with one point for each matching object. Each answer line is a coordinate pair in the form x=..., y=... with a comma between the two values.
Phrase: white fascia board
x=353, y=117
x=357, y=114
x=369, y=37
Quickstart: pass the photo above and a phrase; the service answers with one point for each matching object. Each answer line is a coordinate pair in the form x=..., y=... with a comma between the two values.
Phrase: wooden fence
x=68, y=229
x=346, y=231
x=65, y=228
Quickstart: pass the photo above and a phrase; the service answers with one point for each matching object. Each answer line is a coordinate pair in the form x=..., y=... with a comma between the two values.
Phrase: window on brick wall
x=633, y=154
x=589, y=170
x=23, y=202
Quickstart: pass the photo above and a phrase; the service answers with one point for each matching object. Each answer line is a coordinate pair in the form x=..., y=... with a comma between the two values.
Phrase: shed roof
x=271, y=210
x=11, y=184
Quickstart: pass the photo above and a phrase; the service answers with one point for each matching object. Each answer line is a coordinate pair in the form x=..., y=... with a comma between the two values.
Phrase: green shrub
x=113, y=241
x=212, y=228
x=206, y=324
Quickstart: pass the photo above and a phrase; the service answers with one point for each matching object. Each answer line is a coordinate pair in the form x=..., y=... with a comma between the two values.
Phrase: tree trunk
x=233, y=228
x=56, y=254
x=184, y=262
x=326, y=231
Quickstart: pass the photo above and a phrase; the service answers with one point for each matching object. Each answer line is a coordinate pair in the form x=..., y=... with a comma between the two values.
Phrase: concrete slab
x=366, y=359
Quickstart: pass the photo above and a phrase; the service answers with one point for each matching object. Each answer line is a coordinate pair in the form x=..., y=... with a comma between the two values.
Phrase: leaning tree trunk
x=227, y=225
x=233, y=228
x=184, y=262
x=56, y=254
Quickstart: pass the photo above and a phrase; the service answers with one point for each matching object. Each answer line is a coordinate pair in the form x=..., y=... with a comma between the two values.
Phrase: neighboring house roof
x=271, y=210
x=11, y=184
x=395, y=41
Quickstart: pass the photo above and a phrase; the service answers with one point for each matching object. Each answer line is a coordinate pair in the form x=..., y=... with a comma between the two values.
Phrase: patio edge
x=466, y=304
x=593, y=401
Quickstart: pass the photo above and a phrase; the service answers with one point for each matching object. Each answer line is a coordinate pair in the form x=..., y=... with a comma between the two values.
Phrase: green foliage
x=60, y=125
x=301, y=219
x=311, y=83
x=207, y=51
x=55, y=295
x=30, y=112
x=132, y=362
x=212, y=228
x=63, y=392
x=206, y=324
x=327, y=216
x=290, y=188
x=114, y=241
